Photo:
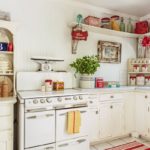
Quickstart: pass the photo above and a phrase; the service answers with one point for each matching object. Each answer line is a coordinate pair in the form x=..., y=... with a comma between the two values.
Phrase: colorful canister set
x=114, y=23
x=141, y=78
x=6, y=46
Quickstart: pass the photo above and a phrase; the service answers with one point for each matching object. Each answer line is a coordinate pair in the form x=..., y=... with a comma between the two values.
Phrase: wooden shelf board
x=6, y=52
x=109, y=32
x=139, y=72
x=6, y=74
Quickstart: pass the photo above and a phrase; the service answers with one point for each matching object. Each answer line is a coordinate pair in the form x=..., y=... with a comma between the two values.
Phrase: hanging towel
x=70, y=122
x=77, y=121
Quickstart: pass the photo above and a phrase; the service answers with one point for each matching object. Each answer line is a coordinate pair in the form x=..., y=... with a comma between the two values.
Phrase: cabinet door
x=6, y=140
x=141, y=111
x=129, y=112
x=117, y=116
x=105, y=121
x=148, y=120
x=94, y=124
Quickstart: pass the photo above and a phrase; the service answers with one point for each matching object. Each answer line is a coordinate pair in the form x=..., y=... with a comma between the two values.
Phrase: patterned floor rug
x=130, y=146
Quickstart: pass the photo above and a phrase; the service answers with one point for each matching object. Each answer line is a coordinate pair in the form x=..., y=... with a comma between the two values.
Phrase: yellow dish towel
x=70, y=122
x=73, y=122
x=77, y=122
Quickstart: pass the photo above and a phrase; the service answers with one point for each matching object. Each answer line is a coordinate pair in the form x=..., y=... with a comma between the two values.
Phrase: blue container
x=3, y=46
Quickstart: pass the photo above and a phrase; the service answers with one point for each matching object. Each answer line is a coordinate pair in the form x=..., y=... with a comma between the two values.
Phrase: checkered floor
x=117, y=142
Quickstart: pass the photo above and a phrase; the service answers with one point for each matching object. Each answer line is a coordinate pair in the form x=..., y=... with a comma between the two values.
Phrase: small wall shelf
x=109, y=32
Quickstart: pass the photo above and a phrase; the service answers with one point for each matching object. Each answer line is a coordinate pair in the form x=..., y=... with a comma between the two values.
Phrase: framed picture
x=109, y=52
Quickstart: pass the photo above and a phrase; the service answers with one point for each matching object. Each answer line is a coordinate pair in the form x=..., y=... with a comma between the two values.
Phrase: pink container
x=93, y=21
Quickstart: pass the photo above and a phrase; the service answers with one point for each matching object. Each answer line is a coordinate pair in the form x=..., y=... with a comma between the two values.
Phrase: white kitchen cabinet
x=129, y=112
x=6, y=124
x=111, y=115
x=141, y=113
x=117, y=116
x=148, y=119
x=94, y=124
x=105, y=121
x=6, y=140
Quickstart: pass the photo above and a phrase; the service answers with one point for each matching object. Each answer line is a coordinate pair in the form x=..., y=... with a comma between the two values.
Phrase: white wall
x=43, y=30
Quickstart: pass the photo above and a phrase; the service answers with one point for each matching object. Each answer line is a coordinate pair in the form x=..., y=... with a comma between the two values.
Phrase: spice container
x=147, y=80
x=99, y=82
x=136, y=68
x=133, y=80
x=48, y=85
x=144, y=68
x=140, y=79
x=58, y=85
x=106, y=23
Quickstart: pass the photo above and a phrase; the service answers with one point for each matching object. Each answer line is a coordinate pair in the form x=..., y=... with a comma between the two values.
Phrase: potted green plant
x=86, y=66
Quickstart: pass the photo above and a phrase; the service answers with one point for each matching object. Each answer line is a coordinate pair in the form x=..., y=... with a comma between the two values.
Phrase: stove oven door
x=61, y=124
x=39, y=128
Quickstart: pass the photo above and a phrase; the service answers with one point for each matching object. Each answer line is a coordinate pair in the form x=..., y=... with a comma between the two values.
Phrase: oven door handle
x=63, y=114
x=49, y=148
x=38, y=109
x=40, y=116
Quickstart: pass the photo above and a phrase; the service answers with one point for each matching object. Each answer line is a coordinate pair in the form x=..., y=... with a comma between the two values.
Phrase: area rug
x=130, y=146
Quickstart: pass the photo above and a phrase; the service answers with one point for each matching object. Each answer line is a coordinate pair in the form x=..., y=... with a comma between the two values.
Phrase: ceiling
x=133, y=7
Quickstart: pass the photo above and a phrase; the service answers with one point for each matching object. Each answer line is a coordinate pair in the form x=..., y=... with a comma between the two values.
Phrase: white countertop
x=8, y=100
x=34, y=94
x=67, y=92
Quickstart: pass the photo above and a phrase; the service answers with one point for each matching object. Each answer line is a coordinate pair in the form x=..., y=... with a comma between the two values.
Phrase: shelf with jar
x=7, y=71
x=139, y=72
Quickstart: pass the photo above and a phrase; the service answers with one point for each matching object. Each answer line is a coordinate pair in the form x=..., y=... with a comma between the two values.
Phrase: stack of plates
x=4, y=65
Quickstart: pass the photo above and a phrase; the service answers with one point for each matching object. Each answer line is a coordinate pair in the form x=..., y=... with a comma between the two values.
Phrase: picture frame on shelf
x=109, y=52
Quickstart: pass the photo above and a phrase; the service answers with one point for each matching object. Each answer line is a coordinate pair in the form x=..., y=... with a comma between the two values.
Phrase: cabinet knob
x=111, y=107
x=146, y=96
x=111, y=96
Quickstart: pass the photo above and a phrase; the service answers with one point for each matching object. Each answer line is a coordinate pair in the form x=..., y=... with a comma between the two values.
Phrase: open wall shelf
x=109, y=32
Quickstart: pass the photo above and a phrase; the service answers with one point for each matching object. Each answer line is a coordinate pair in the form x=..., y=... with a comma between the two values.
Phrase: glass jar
x=133, y=80
x=106, y=23
x=147, y=80
x=48, y=85
x=144, y=68
x=136, y=68
x=140, y=80
x=115, y=23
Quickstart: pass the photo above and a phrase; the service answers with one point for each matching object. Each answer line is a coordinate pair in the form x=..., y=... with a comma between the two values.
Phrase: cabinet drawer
x=6, y=123
x=6, y=110
x=108, y=97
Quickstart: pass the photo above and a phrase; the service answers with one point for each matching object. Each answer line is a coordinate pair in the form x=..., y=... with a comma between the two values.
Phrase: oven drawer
x=39, y=128
x=45, y=147
x=75, y=144
x=61, y=124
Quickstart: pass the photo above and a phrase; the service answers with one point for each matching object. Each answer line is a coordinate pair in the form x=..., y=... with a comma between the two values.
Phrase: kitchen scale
x=46, y=62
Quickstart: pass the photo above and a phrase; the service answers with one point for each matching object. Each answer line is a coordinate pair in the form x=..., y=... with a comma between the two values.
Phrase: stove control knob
x=35, y=101
x=75, y=98
x=80, y=97
x=42, y=100
x=59, y=99
x=49, y=100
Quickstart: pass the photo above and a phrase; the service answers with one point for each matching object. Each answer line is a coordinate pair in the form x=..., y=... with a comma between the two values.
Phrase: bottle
x=130, y=26
x=122, y=25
